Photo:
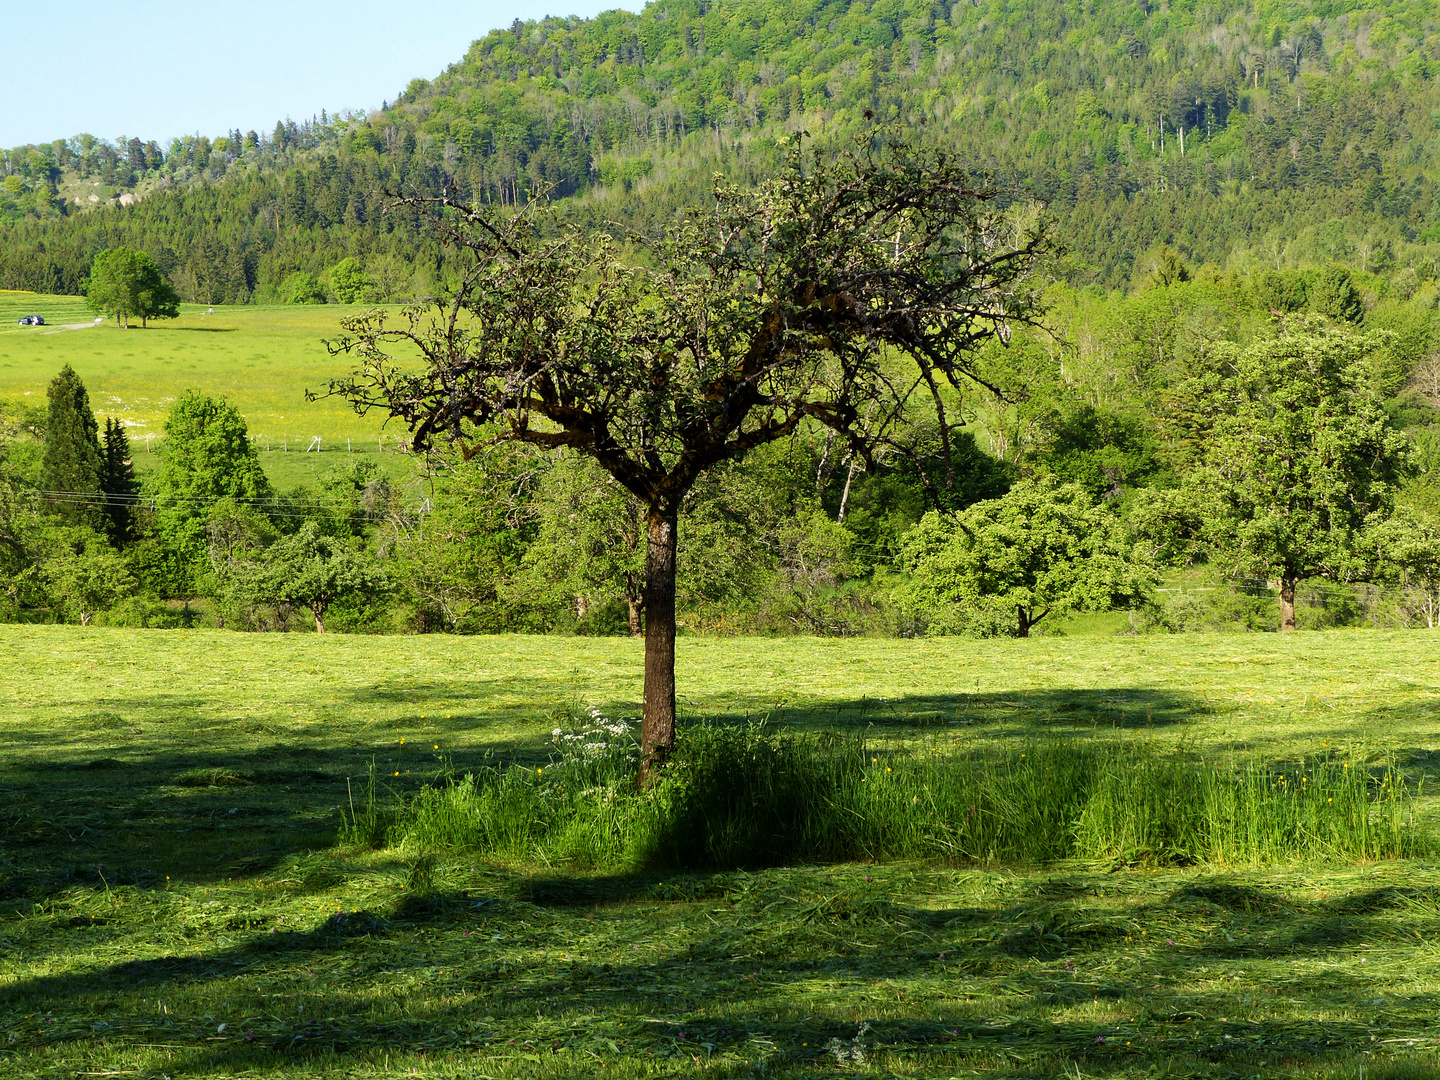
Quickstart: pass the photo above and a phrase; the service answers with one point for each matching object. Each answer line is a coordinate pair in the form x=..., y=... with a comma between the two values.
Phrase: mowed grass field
x=263, y=359
x=173, y=901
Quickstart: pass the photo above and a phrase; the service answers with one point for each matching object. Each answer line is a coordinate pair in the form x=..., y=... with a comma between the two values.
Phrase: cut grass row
x=172, y=901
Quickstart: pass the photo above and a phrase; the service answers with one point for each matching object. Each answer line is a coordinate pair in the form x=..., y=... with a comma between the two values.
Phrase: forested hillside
x=1247, y=135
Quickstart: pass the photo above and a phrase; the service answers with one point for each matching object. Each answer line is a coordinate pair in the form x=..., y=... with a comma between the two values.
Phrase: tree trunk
x=657, y=728
x=1287, y=602
x=319, y=619
x=845, y=495
x=635, y=602
x=1025, y=622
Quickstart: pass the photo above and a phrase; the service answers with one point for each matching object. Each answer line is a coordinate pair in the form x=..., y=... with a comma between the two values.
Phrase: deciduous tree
x=1043, y=549
x=206, y=455
x=314, y=570
x=83, y=575
x=125, y=283
x=1296, y=457
x=781, y=306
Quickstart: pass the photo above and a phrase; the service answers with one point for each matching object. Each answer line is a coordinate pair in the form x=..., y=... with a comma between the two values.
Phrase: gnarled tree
x=830, y=294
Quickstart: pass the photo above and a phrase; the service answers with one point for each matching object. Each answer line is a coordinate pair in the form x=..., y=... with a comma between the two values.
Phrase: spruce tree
x=118, y=481
x=72, y=465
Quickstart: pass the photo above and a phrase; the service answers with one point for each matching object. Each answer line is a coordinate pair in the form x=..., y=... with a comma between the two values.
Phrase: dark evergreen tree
x=118, y=482
x=71, y=468
x=1334, y=294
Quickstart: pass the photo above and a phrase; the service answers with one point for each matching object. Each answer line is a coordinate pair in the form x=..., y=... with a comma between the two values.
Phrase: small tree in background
x=1296, y=458
x=349, y=282
x=792, y=304
x=125, y=283
x=1406, y=552
x=85, y=579
x=72, y=469
x=1043, y=549
x=590, y=545
x=314, y=570
x=302, y=287
x=206, y=456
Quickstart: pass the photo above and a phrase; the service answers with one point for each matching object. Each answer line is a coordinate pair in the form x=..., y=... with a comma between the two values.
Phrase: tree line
x=1122, y=401
x=1240, y=135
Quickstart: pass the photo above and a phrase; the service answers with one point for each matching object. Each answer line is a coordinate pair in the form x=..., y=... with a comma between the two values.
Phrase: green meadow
x=180, y=894
x=262, y=358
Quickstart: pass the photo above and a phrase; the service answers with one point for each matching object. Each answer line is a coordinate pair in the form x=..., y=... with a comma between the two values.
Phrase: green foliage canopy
x=1044, y=548
x=1297, y=456
x=125, y=283
x=206, y=456
x=314, y=570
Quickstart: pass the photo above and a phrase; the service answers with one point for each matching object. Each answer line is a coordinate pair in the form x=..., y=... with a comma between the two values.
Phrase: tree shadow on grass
x=750, y=984
x=205, y=814
x=1032, y=712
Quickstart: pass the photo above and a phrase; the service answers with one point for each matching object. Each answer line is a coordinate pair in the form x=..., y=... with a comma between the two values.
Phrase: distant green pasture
x=261, y=358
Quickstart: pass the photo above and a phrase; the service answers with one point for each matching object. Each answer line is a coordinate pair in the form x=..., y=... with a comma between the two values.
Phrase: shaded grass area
x=172, y=901
x=882, y=971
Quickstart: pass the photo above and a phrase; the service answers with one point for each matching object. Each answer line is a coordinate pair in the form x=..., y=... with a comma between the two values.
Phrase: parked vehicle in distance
x=32, y=320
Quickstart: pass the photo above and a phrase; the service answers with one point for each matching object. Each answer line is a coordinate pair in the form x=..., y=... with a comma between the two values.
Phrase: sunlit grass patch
x=754, y=796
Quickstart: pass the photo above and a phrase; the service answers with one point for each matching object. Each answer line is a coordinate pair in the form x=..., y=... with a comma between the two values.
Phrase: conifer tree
x=118, y=481
x=72, y=466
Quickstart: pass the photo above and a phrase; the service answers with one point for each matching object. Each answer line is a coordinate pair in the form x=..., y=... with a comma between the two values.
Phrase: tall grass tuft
x=744, y=796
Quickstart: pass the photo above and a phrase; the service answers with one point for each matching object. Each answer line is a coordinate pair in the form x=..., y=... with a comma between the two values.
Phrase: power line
x=299, y=510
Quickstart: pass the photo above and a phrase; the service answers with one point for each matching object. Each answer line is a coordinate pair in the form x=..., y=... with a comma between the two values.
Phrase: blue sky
x=161, y=68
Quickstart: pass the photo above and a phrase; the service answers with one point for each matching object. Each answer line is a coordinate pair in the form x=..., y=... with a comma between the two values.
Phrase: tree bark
x=1025, y=623
x=657, y=728
x=319, y=620
x=1287, y=602
x=845, y=495
x=635, y=602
